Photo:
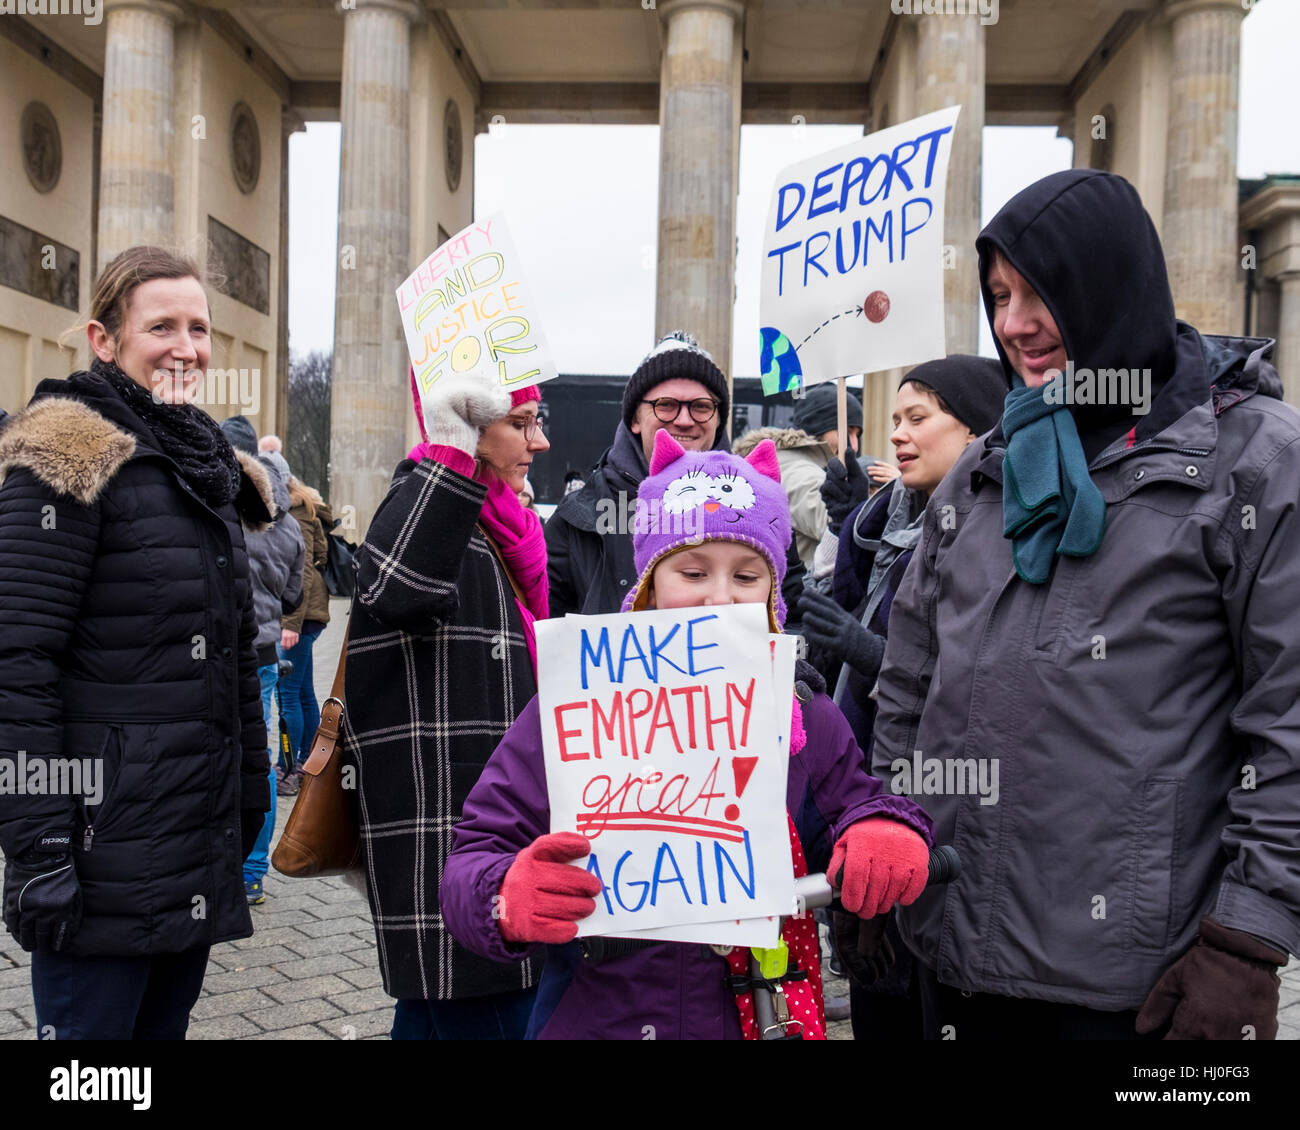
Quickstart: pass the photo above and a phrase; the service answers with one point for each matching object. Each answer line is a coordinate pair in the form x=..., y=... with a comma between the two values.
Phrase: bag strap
x=496, y=549
x=336, y=691
x=331, y=715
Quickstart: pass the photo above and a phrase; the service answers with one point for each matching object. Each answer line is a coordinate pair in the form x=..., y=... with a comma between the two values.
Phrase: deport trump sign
x=466, y=309
x=853, y=257
x=666, y=747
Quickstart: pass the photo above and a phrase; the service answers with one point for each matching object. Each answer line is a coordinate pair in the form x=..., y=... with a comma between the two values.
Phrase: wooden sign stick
x=842, y=416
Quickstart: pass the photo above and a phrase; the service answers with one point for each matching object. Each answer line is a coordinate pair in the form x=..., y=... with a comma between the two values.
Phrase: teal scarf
x=1050, y=505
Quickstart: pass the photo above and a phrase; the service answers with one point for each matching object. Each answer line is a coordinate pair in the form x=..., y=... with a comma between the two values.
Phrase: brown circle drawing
x=453, y=147
x=42, y=149
x=245, y=148
x=876, y=306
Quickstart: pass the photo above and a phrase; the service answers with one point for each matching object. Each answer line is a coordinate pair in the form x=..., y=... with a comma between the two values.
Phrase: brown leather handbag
x=322, y=836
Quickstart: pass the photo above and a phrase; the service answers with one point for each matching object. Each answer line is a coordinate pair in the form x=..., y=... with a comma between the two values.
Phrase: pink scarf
x=518, y=535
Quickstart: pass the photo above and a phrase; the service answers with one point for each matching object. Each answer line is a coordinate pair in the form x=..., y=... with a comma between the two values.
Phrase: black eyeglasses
x=667, y=408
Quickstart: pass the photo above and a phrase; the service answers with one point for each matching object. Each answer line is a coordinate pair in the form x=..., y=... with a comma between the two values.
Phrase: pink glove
x=876, y=863
x=542, y=896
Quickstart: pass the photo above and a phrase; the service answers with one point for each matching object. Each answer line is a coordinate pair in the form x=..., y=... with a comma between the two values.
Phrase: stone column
x=699, y=155
x=1287, y=354
x=371, y=397
x=1200, y=214
x=290, y=124
x=950, y=71
x=136, y=177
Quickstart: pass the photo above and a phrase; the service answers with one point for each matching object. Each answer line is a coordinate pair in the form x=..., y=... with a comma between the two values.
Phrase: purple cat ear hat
x=691, y=497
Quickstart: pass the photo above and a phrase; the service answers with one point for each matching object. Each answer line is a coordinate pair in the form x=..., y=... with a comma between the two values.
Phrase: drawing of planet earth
x=778, y=362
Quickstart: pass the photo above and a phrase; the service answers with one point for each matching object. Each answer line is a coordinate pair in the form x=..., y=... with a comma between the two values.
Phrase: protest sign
x=853, y=257
x=466, y=309
x=661, y=748
x=762, y=932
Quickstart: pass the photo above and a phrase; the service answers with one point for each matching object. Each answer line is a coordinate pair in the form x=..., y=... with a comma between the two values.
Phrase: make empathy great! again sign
x=466, y=309
x=662, y=747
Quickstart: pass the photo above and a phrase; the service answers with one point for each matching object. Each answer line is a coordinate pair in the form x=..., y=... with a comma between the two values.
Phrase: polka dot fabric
x=800, y=934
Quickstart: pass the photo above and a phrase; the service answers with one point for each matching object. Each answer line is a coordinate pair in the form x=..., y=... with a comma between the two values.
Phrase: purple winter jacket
x=669, y=991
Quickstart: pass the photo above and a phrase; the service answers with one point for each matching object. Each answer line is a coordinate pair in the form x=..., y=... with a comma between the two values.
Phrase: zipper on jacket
x=88, y=837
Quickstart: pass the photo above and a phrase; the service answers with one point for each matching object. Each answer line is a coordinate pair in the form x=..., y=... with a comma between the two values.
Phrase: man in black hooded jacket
x=1099, y=628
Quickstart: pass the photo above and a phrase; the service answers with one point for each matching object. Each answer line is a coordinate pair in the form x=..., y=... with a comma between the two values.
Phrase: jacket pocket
x=1053, y=625
x=96, y=815
x=1155, y=858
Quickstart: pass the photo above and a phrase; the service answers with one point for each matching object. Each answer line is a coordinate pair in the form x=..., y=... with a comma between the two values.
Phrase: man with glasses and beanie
x=589, y=538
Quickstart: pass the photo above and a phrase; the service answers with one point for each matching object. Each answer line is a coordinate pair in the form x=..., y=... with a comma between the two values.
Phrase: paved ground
x=310, y=970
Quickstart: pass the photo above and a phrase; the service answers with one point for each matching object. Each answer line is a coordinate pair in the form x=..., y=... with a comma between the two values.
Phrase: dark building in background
x=582, y=413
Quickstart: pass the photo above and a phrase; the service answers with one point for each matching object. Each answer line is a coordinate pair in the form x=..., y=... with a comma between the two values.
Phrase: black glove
x=865, y=951
x=250, y=827
x=843, y=489
x=42, y=898
x=840, y=634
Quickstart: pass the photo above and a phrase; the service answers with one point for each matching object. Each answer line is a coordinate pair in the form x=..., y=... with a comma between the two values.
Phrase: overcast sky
x=583, y=214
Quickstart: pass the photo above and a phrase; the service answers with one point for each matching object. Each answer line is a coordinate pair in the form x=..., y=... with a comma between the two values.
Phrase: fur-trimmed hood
x=786, y=439
x=76, y=450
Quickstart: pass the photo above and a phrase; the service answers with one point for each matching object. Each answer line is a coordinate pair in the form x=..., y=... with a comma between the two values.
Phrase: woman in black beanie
x=941, y=407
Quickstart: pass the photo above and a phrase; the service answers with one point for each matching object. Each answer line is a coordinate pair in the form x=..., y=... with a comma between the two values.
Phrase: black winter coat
x=589, y=562
x=126, y=635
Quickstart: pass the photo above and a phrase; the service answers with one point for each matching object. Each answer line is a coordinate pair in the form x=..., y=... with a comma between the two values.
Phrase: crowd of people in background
x=1088, y=609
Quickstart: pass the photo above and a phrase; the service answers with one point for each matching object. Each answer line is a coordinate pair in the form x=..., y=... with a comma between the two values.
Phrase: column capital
x=157, y=7
x=290, y=122
x=1174, y=9
x=406, y=8
x=670, y=8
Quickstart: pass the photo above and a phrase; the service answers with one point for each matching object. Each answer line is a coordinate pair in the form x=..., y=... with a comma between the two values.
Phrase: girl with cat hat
x=509, y=888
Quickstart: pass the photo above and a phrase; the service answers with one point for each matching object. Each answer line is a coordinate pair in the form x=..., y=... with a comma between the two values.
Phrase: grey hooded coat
x=275, y=560
x=1141, y=709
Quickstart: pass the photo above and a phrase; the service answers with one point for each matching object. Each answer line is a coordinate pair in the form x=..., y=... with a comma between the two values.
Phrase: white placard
x=853, y=257
x=660, y=747
x=467, y=309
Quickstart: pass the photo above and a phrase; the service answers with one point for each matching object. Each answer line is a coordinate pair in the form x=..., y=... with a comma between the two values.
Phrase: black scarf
x=185, y=434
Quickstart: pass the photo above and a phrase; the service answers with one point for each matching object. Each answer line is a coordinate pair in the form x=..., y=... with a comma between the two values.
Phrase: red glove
x=876, y=863
x=542, y=897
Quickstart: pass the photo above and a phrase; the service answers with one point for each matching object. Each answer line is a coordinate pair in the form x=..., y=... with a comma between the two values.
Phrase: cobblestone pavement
x=310, y=970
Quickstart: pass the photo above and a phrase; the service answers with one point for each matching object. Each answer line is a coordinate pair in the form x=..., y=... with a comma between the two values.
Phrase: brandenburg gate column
x=371, y=397
x=1200, y=216
x=699, y=154
x=950, y=72
x=136, y=176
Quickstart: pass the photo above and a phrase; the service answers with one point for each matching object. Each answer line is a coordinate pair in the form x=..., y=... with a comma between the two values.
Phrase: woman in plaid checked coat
x=441, y=658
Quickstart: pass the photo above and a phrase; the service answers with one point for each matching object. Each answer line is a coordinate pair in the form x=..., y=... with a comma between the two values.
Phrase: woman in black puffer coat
x=128, y=680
